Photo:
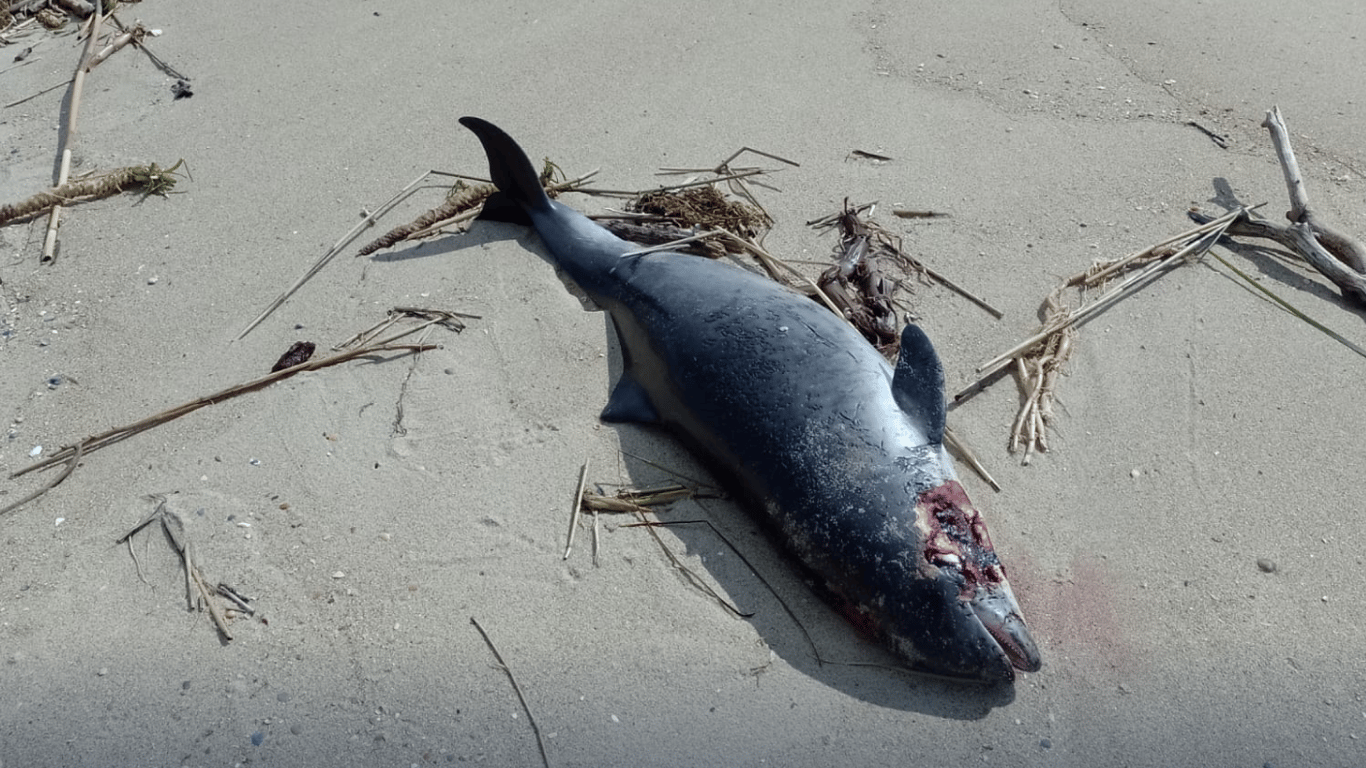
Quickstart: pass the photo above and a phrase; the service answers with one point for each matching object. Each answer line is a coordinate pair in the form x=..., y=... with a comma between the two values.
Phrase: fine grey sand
x=371, y=509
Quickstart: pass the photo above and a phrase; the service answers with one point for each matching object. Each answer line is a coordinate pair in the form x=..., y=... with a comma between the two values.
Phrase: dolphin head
x=966, y=623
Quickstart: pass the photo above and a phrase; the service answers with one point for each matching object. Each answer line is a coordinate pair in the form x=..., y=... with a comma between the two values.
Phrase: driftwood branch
x=1338, y=255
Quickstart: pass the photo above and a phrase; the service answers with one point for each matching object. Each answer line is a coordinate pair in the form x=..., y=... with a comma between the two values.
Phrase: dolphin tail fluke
x=509, y=167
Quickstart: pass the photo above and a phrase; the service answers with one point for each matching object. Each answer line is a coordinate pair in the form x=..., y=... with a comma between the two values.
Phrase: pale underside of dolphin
x=803, y=418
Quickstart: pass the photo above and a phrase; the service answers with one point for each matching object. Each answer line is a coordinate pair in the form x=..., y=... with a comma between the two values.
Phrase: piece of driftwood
x=132, y=35
x=71, y=455
x=79, y=8
x=1339, y=256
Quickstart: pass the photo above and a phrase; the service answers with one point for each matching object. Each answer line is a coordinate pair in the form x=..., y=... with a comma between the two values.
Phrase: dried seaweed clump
x=705, y=208
x=153, y=179
x=858, y=283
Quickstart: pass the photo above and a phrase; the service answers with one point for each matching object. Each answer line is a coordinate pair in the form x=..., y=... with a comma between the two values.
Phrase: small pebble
x=103, y=671
x=339, y=575
x=257, y=739
x=282, y=697
x=153, y=280
x=1266, y=564
x=1046, y=743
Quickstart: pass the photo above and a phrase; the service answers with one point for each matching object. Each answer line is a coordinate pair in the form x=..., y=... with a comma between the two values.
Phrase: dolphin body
x=840, y=450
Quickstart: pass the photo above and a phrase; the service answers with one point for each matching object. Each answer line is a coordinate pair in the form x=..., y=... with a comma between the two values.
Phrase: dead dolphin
x=839, y=449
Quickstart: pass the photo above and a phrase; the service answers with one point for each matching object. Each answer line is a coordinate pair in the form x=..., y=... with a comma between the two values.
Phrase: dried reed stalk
x=77, y=87
x=71, y=455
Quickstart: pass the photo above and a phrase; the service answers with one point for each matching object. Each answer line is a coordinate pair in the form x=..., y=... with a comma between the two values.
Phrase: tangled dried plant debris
x=694, y=219
x=704, y=208
x=151, y=176
x=858, y=284
x=197, y=591
x=641, y=503
x=1040, y=359
x=462, y=197
x=697, y=217
x=719, y=225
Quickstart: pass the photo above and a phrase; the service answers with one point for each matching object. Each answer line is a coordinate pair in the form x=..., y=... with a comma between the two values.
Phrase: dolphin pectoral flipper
x=918, y=382
x=629, y=403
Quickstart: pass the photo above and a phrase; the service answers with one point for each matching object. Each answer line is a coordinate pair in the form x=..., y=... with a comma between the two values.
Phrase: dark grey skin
x=841, y=451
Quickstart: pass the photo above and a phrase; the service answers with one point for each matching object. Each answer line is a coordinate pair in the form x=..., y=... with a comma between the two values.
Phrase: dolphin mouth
x=994, y=605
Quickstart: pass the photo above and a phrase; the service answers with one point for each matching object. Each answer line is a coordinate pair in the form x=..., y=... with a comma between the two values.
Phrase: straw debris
x=1039, y=360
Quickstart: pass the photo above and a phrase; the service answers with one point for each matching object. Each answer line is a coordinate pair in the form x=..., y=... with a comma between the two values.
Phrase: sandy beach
x=1188, y=554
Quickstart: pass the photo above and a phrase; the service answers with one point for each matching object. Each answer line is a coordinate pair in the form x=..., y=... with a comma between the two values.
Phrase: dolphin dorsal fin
x=509, y=167
x=918, y=382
